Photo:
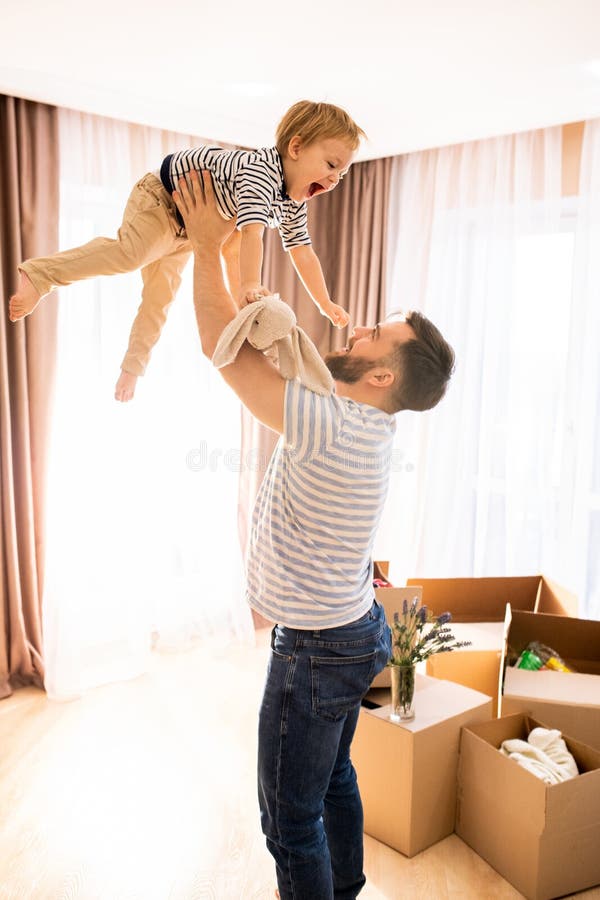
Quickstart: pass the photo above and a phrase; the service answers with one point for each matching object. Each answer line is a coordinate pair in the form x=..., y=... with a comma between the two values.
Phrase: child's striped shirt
x=248, y=185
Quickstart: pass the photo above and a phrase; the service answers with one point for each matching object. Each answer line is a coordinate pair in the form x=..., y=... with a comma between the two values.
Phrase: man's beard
x=347, y=369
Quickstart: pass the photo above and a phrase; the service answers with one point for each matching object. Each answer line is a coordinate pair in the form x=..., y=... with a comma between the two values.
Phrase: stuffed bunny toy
x=270, y=325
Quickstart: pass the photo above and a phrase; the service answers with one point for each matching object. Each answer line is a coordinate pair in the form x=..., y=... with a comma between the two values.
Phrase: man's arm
x=230, y=252
x=251, y=375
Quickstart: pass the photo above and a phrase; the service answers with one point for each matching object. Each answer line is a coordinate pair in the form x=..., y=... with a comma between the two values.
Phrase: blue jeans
x=310, y=807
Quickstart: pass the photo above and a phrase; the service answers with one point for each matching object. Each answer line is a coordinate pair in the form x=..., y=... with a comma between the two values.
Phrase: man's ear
x=381, y=378
x=294, y=146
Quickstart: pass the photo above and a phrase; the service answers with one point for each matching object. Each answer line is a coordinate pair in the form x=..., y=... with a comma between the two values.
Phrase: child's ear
x=294, y=146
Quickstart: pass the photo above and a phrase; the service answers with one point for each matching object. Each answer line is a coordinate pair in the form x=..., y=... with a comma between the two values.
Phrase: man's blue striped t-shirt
x=317, y=512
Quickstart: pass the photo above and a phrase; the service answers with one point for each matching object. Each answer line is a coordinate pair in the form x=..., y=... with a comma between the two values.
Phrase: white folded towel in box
x=544, y=754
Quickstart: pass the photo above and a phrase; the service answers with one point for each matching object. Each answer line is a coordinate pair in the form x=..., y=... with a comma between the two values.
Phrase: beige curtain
x=28, y=227
x=348, y=228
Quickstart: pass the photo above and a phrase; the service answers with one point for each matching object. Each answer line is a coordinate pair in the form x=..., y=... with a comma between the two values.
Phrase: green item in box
x=529, y=660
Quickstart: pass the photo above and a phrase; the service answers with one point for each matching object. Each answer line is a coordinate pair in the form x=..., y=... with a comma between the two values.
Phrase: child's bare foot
x=125, y=387
x=24, y=301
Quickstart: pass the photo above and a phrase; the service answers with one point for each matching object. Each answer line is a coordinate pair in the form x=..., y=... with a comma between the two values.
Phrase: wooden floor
x=145, y=790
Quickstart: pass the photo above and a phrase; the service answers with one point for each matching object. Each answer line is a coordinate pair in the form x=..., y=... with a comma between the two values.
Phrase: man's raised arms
x=251, y=375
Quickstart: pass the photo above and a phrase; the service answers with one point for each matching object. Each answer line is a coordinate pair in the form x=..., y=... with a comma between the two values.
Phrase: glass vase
x=403, y=693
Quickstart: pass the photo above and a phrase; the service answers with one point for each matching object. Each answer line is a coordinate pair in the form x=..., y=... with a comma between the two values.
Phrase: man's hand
x=197, y=205
x=255, y=380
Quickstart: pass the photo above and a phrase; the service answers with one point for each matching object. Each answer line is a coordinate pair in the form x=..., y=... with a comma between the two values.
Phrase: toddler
x=315, y=145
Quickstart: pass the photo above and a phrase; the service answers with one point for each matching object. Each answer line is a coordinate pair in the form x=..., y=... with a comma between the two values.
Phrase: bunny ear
x=312, y=371
x=287, y=356
x=234, y=334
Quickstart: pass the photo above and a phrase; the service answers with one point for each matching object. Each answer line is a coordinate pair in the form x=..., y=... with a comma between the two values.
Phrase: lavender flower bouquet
x=416, y=635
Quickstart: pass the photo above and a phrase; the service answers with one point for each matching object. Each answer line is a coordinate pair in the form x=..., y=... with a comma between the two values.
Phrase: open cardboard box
x=544, y=839
x=478, y=607
x=569, y=701
x=407, y=773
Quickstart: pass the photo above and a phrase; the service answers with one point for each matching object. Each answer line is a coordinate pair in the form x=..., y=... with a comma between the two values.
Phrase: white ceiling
x=413, y=74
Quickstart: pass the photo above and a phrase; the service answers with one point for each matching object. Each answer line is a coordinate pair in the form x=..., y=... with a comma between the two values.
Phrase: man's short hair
x=424, y=365
x=315, y=122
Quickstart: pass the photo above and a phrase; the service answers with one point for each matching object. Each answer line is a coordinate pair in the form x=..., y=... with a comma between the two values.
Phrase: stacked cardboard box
x=543, y=839
x=478, y=607
x=407, y=773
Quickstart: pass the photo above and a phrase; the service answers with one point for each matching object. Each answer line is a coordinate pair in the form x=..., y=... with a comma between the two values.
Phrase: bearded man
x=309, y=565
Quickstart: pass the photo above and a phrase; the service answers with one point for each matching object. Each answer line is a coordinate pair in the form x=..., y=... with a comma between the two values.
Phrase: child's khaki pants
x=151, y=239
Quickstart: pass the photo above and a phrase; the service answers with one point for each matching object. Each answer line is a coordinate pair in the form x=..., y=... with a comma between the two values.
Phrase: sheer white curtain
x=582, y=400
x=142, y=519
x=489, y=483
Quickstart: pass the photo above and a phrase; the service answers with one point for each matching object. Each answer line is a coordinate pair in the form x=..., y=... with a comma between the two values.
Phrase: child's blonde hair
x=316, y=121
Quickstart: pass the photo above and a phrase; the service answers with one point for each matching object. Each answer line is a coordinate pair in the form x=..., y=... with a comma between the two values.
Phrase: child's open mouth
x=315, y=188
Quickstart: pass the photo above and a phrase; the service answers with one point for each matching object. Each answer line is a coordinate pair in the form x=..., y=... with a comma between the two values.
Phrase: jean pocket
x=339, y=683
x=279, y=646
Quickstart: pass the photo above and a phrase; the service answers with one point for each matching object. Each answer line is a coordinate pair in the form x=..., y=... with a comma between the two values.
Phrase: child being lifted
x=315, y=145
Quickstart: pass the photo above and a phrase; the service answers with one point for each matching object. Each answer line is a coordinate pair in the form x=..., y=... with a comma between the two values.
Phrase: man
x=309, y=566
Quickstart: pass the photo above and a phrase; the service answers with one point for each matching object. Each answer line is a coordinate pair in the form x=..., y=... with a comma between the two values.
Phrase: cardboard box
x=392, y=599
x=407, y=773
x=381, y=568
x=544, y=839
x=478, y=668
x=478, y=608
x=485, y=599
x=569, y=701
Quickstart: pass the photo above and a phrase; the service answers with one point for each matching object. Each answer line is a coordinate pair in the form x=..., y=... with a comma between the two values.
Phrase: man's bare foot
x=125, y=387
x=24, y=301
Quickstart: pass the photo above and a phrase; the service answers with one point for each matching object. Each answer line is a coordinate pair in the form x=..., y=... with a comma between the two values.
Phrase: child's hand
x=337, y=315
x=250, y=293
